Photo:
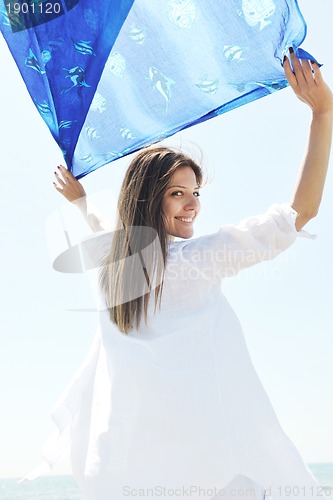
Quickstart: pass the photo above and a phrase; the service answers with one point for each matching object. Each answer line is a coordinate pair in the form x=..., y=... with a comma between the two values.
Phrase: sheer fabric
x=111, y=77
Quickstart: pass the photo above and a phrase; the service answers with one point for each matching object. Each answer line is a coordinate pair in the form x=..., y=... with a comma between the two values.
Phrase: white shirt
x=177, y=403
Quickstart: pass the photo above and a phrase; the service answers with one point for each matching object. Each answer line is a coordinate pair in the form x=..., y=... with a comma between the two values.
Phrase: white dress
x=176, y=409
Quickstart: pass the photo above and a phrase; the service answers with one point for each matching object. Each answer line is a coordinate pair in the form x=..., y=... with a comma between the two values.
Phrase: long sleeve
x=236, y=247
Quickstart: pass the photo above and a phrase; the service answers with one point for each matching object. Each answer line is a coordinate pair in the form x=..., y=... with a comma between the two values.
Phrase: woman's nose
x=192, y=203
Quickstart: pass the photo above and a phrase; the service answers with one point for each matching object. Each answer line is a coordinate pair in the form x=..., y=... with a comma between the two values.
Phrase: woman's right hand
x=68, y=185
x=74, y=192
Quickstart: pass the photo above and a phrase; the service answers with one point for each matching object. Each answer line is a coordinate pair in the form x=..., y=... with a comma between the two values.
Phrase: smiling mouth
x=185, y=220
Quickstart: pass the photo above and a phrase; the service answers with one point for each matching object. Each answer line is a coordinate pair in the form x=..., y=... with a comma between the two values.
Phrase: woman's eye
x=175, y=193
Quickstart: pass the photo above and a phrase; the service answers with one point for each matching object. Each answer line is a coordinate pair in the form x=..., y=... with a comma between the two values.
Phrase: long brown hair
x=140, y=217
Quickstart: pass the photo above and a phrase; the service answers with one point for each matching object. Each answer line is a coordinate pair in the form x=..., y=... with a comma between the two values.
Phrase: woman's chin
x=186, y=234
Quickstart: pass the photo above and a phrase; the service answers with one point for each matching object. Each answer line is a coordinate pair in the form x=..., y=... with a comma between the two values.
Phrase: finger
x=58, y=188
x=59, y=179
x=298, y=69
x=307, y=70
x=64, y=169
x=65, y=172
x=291, y=78
x=317, y=72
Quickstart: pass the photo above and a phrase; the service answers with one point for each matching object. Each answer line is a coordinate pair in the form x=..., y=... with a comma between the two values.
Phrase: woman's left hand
x=68, y=185
x=308, y=84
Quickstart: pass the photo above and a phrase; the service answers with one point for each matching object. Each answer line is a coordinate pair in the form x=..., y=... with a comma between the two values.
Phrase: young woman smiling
x=168, y=397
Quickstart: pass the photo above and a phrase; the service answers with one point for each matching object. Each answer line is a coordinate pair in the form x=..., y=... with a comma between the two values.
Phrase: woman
x=168, y=402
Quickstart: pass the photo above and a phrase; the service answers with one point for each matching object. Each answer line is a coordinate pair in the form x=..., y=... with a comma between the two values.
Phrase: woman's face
x=181, y=203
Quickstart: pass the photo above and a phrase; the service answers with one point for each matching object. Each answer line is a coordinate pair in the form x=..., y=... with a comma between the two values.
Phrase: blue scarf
x=112, y=76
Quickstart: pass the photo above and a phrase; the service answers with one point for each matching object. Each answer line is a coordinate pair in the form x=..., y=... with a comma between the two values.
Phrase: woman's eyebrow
x=183, y=187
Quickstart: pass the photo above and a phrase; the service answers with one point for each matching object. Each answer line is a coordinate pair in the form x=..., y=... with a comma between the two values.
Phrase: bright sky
x=285, y=306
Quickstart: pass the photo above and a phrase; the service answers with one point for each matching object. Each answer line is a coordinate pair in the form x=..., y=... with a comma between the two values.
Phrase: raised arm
x=74, y=192
x=309, y=86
